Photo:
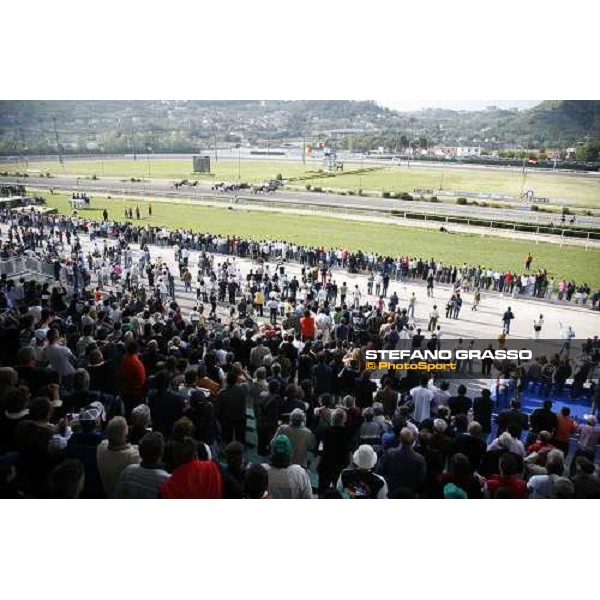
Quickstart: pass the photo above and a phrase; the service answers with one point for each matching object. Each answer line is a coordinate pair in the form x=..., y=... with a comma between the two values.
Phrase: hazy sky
x=410, y=105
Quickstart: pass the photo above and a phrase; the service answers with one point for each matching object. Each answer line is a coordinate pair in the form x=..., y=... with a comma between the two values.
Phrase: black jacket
x=231, y=403
x=402, y=467
x=459, y=405
x=509, y=417
x=543, y=420
x=472, y=447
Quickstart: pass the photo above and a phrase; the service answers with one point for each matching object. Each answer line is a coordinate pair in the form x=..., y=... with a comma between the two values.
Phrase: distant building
x=468, y=151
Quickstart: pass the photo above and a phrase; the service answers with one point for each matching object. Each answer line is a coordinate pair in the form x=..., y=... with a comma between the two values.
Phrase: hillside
x=28, y=127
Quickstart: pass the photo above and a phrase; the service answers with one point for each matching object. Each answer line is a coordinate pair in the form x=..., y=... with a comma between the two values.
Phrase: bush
x=461, y=201
x=433, y=199
x=534, y=208
x=317, y=189
x=350, y=192
x=48, y=175
x=406, y=196
x=279, y=177
x=385, y=195
x=359, y=192
x=308, y=187
x=566, y=211
x=94, y=177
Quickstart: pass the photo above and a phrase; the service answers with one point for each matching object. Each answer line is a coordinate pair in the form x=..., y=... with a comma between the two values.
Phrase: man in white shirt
x=422, y=398
x=356, y=298
x=537, y=327
x=567, y=335
x=323, y=322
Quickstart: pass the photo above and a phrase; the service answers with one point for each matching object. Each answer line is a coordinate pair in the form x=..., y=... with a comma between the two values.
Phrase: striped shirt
x=138, y=482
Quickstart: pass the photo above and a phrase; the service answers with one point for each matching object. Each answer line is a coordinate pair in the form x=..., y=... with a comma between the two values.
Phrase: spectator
x=543, y=486
x=231, y=410
x=132, y=376
x=483, y=407
x=402, y=467
x=359, y=481
x=267, y=417
x=66, y=480
x=565, y=428
x=166, y=406
x=286, y=481
x=507, y=483
x=460, y=404
x=193, y=478
x=114, y=454
x=585, y=482
x=256, y=483
x=461, y=475
x=233, y=471
x=301, y=438
x=143, y=480
x=83, y=445
x=422, y=398
x=471, y=445
x=334, y=450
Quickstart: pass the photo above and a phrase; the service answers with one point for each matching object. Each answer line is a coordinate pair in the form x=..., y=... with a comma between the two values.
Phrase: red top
x=565, y=427
x=307, y=326
x=515, y=484
x=132, y=375
x=199, y=479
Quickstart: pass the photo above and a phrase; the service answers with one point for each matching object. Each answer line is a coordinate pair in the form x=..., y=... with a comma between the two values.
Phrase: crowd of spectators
x=468, y=277
x=110, y=389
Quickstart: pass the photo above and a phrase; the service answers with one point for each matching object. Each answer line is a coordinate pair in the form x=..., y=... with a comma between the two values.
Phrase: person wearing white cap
x=359, y=481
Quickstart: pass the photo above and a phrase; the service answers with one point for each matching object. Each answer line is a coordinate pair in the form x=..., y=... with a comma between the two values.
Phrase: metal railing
x=20, y=265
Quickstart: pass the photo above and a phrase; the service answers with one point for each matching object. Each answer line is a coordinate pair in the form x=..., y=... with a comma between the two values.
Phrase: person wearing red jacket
x=508, y=481
x=132, y=377
x=193, y=478
x=307, y=327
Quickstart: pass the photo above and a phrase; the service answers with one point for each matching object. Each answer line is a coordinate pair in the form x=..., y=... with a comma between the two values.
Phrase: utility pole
x=132, y=145
x=216, y=157
x=61, y=159
x=303, y=150
x=148, y=156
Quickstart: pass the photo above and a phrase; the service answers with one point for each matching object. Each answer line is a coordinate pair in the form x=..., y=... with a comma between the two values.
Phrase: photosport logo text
x=436, y=360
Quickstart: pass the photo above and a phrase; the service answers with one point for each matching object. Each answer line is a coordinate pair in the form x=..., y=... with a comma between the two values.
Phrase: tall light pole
x=102, y=158
x=240, y=162
x=523, y=171
x=148, y=149
x=149, y=170
x=304, y=150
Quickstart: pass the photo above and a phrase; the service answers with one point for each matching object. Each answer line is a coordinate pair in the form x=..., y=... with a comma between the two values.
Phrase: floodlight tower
x=61, y=158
